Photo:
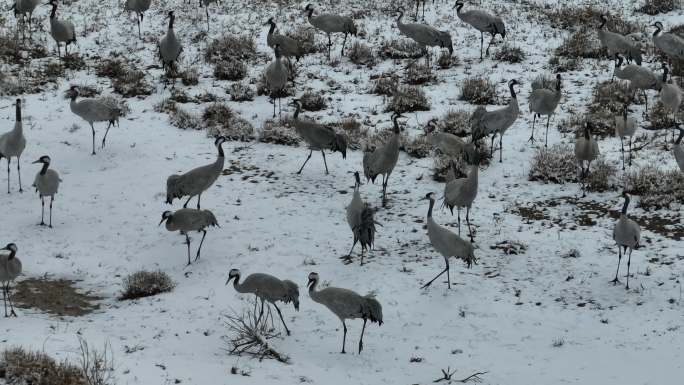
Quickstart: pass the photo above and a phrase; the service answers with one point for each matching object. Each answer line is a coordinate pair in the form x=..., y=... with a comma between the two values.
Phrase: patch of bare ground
x=58, y=297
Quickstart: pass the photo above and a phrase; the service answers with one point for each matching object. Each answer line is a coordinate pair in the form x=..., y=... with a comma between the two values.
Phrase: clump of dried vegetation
x=588, y=16
x=418, y=74
x=306, y=38
x=230, y=69
x=654, y=7
x=558, y=165
x=221, y=120
x=178, y=116
x=456, y=122
x=357, y=134
x=661, y=117
x=230, y=47
x=361, y=54
x=126, y=80
x=510, y=54
x=145, y=284
x=313, y=101
x=240, y=92
x=189, y=77
x=400, y=49
x=250, y=333
x=658, y=189
x=408, y=99
x=478, y=90
x=279, y=132
x=386, y=84
x=582, y=43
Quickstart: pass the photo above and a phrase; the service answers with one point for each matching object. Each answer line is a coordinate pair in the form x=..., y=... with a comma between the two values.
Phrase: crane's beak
x=310, y=283
x=38, y=161
x=162, y=221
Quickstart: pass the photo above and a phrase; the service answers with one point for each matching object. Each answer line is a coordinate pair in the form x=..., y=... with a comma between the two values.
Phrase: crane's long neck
x=679, y=138
x=399, y=22
x=238, y=286
x=474, y=172
x=603, y=23
x=310, y=14
x=625, y=205
x=171, y=20
x=296, y=113
x=220, y=151
x=18, y=127
x=657, y=31
x=53, y=13
x=12, y=255
x=313, y=293
x=44, y=169
x=665, y=71
x=513, y=95
x=272, y=29
x=432, y=204
x=587, y=134
x=397, y=130
x=459, y=6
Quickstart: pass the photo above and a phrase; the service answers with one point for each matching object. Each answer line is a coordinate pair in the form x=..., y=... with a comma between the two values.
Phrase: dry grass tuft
x=654, y=7
x=230, y=48
x=658, y=189
x=408, y=99
x=279, y=132
x=386, y=84
x=478, y=90
x=510, y=54
x=250, y=333
x=313, y=101
x=230, y=69
x=555, y=164
x=582, y=43
x=240, y=92
x=401, y=49
x=418, y=74
x=19, y=366
x=145, y=284
x=361, y=54
x=221, y=120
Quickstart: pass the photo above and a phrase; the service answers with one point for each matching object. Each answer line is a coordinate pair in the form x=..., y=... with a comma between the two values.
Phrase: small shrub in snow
x=455, y=122
x=478, y=90
x=145, y=284
x=555, y=164
x=18, y=51
x=417, y=147
x=110, y=68
x=230, y=70
x=565, y=64
x=408, y=99
x=189, y=77
x=357, y=135
x=602, y=176
x=654, y=7
x=306, y=38
x=249, y=333
x=558, y=342
x=230, y=47
x=179, y=96
x=240, y=92
x=660, y=117
x=573, y=17
x=84, y=91
x=401, y=49
x=221, y=120
x=581, y=44
x=657, y=188
x=386, y=84
x=97, y=366
x=611, y=97
x=19, y=366
x=132, y=83
x=183, y=119
x=446, y=60
x=74, y=62
x=313, y=101
x=510, y=54
x=360, y=53
x=279, y=132
x=417, y=74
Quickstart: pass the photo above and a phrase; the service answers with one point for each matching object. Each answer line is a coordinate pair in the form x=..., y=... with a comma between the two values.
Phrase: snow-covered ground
x=503, y=316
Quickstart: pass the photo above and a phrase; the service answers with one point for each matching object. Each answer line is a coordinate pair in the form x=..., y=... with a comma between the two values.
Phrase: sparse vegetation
x=189, y=77
x=581, y=44
x=19, y=366
x=408, y=99
x=417, y=74
x=455, y=122
x=401, y=49
x=230, y=48
x=279, y=132
x=97, y=366
x=313, y=101
x=654, y=7
x=386, y=84
x=221, y=120
x=510, y=54
x=360, y=53
x=240, y=92
x=145, y=284
x=230, y=69
x=250, y=332
x=658, y=189
x=554, y=165
x=573, y=17
x=131, y=83
x=660, y=117
x=478, y=90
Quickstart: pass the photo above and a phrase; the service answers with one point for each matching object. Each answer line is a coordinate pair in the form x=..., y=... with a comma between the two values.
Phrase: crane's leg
x=423, y=9
x=353, y=244
x=42, y=211
x=199, y=198
x=280, y=108
x=274, y=103
x=93, y=129
x=324, y=162
x=139, y=34
x=491, y=147
x=534, y=120
x=206, y=9
x=9, y=299
x=385, y=181
x=622, y=150
x=187, y=241
x=446, y=270
x=281, y=318
x=448, y=275
x=8, y=174
x=21, y=190
x=344, y=336
x=489, y=45
x=417, y=5
x=363, y=329
x=546, y=139
x=104, y=138
x=363, y=251
x=185, y=206
x=629, y=261
x=307, y=159
x=204, y=234
x=261, y=310
x=481, y=44
x=344, y=43
x=616, y=280
x=646, y=100
x=458, y=210
x=500, y=147
x=4, y=299
x=52, y=198
x=470, y=231
x=630, y=151
x=329, y=46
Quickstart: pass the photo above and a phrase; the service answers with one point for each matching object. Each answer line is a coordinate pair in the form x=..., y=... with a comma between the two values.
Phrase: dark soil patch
x=57, y=297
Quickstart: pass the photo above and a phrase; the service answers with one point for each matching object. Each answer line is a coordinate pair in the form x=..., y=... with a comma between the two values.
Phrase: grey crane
x=448, y=144
x=318, y=137
x=289, y=47
x=678, y=150
x=24, y=9
x=361, y=220
x=625, y=126
x=139, y=7
x=586, y=149
x=346, y=304
x=330, y=24
x=206, y=3
x=62, y=31
x=498, y=121
x=187, y=220
x=267, y=288
x=46, y=184
x=640, y=78
x=669, y=43
x=483, y=22
x=276, y=76
x=12, y=145
x=627, y=235
x=196, y=181
x=670, y=95
x=462, y=192
x=425, y=36
x=383, y=159
x=447, y=244
x=170, y=47
x=94, y=110
x=10, y=269
x=616, y=43
x=543, y=101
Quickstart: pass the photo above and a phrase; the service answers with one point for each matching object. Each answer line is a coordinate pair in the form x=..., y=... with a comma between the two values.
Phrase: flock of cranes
x=459, y=193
